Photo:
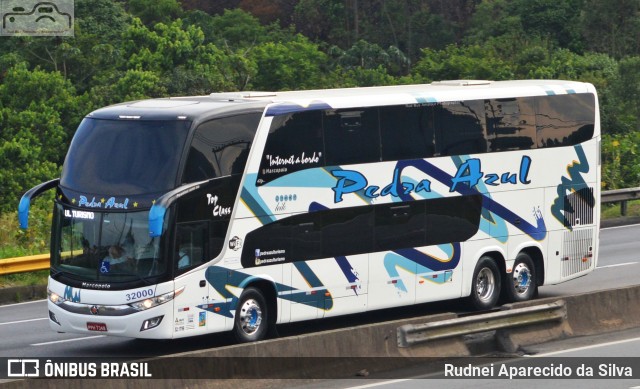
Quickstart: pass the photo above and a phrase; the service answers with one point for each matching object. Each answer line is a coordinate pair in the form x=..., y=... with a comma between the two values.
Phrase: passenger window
x=191, y=245
x=459, y=128
x=406, y=132
x=453, y=219
x=295, y=143
x=351, y=136
x=347, y=231
x=365, y=229
x=400, y=225
x=564, y=120
x=511, y=124
x=220, y=147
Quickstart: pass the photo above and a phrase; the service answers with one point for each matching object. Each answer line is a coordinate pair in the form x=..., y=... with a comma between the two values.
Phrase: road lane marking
x=615, y=227
x=23, y=321
x=586, y=347
x=26, y=302
x=616, y=265
x=380, y=383
x=68, y=340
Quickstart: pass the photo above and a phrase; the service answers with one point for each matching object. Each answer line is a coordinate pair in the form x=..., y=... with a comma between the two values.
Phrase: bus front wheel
x=251, y=321
x=485, y=289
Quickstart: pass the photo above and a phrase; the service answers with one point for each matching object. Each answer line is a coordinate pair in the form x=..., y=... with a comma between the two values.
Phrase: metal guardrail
x=621, y=196
x=24, y=264
x=41, y=262
x=412, y=334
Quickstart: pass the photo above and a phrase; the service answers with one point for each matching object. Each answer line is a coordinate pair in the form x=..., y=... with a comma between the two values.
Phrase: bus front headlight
x=155, y=301
x=54, y=297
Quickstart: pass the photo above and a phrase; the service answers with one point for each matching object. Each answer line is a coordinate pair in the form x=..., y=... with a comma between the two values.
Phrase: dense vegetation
x=126, y=50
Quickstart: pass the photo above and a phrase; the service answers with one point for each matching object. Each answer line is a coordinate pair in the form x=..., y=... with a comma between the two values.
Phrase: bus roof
x=218, y=104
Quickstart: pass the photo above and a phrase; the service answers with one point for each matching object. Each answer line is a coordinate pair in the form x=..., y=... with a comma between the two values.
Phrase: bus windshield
x=125, y=157
x=108, y=247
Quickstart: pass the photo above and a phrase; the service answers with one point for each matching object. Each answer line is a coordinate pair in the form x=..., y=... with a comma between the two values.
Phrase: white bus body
x=350, y=200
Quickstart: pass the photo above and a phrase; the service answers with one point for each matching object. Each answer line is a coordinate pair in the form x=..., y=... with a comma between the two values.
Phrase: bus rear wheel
x=485, y=287
x=521, y=283
x=252, y=316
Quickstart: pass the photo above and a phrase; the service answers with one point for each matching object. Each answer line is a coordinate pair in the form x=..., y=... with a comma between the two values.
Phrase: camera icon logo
x=23, y=368
x=43, y=18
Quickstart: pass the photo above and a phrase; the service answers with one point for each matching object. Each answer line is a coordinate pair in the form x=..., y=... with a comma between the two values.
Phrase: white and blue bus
x=238, y=211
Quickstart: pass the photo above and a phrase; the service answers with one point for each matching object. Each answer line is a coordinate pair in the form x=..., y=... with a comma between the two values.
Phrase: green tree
x=93, y=49
x=155, y=11
x=556, y=20
x=176, y=50
x=621, y=160
x=32, y=105
x=612, y=26
x=468, y=62
x=370, y=56
x=298, y=64
x=322, y=20
x=361, y=77
x=23, y=89
x=624, y=98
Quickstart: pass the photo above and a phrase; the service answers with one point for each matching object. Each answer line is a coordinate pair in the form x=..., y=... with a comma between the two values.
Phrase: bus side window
x=406, y=133
x=295, y=143
x=220, y=147
x=191, y=245
x=564, y=120
x=460, y=128
x=351, y=136
x=511, y=123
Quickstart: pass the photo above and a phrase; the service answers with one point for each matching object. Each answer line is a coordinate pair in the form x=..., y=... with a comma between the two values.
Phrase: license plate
x=97, y=327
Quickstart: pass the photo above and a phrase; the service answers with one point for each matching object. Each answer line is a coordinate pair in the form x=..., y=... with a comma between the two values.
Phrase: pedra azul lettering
x=469, y=173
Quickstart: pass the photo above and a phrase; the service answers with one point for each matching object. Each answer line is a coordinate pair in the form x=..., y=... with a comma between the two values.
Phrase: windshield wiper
x=59, y=273
x=143, y=279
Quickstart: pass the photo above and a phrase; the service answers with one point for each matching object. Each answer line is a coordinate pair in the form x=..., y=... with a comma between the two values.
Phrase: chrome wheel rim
x=250, y=317
x=521, y=278
x=485, y=284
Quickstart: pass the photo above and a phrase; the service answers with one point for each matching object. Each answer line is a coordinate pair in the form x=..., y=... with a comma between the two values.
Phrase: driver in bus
x=117, y=256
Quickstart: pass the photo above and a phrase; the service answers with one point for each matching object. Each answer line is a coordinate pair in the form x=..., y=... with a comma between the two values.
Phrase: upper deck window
x=124, y=157
x=220, y=147
x=565, y=120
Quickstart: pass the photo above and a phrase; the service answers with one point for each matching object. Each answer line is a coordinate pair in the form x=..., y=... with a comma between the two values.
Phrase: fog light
x=151, y=323
x=53, y=318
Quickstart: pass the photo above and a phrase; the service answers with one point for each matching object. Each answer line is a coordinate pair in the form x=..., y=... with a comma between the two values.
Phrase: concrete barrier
x=19, y=294
x=508, y=318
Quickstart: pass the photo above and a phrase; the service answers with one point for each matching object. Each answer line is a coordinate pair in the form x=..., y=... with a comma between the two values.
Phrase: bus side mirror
x=156, y=220
x=25, y=201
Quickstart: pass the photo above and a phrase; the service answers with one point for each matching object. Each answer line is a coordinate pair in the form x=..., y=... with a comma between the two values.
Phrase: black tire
x=252, y=321
x=485, y=287
x=520, y=284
